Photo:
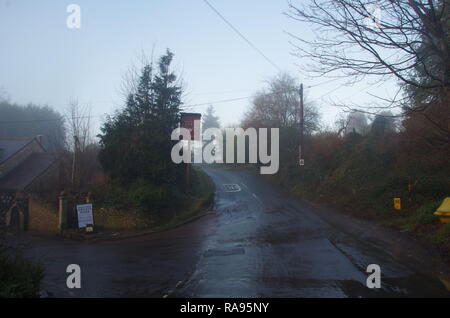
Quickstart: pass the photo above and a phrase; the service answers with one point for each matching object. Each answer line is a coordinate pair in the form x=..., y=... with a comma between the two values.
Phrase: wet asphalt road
x=258, y=243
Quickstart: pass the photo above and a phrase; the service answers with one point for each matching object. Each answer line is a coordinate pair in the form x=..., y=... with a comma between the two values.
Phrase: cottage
x=25, y=167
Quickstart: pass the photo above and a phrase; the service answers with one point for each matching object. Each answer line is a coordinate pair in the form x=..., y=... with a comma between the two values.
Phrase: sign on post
x=85, y=215
x=188, y=121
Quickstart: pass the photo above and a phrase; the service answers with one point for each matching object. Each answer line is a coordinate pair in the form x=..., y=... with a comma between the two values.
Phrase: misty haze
x=219, y=154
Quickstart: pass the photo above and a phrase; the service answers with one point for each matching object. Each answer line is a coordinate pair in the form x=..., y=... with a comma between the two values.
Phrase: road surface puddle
x=225, y=252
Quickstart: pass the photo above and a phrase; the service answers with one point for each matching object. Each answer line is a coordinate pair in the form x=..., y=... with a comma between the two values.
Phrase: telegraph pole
x=302, y=117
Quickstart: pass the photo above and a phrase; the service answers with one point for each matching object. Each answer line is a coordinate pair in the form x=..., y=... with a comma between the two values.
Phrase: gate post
x=62, y=212
x=88, y=197
x=22, y=204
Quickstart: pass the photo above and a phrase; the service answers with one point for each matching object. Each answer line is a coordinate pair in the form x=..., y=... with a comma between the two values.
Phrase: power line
x=218, y=101
x=333, y=90
x=45, y=120
x=326, y=82
x=274, y=93
x=241, y=35
x=241, y=98
x=29, y=121
x=183, y=106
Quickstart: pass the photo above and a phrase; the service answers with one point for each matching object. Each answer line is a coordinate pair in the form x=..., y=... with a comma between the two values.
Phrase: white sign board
x=85, y=216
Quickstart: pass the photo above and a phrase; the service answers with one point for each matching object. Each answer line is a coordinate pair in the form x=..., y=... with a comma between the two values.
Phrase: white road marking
x=256, y=197
x=233, y=187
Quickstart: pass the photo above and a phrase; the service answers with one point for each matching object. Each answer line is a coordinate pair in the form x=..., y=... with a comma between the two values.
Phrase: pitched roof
x=9, y=146
x=25, y=173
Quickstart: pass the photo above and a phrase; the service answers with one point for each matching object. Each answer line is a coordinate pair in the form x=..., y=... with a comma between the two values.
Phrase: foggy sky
x=44, y=62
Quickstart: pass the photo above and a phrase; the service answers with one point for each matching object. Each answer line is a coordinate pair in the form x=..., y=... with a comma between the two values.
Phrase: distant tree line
x=67, y=133
x=33, y=120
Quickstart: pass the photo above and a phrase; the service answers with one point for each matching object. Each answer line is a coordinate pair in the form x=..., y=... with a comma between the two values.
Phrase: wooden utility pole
x=301, y=122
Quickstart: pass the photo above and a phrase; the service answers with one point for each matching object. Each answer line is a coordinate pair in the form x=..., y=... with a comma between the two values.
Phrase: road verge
x=200, y=206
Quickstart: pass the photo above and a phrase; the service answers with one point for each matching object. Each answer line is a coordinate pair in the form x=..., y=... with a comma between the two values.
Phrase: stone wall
x=43, y=217
x=6, y=201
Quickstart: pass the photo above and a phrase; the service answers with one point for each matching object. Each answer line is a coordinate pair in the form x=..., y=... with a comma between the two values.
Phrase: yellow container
x=443, y=212
x=397, y=204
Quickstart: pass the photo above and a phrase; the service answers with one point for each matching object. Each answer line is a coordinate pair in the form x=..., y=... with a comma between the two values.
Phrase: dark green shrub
x=425, y=214
x=433, y=186
x=19, y=278
x=443, y=235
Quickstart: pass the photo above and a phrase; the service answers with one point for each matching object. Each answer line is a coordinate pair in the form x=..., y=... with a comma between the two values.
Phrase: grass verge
x=198, y=198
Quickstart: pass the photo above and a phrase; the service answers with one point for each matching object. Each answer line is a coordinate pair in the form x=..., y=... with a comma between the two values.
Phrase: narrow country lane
x=259, y=243
x=269, y=245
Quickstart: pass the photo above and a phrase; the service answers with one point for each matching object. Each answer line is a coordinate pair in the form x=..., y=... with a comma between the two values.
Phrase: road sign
x=85, y=215
x=188, y=121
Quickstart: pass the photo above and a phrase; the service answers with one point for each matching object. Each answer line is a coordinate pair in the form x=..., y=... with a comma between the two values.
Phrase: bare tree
x=357, y=122
x=353, y=122
x=341, y=124
x=383, y=124
x=385, y=38
x=78, y=120
x=278, y=106
x=4, y=97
